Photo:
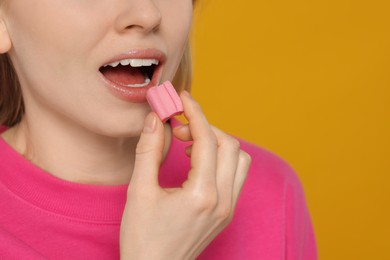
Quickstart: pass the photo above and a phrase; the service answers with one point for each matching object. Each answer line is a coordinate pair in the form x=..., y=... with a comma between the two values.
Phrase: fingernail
x=150, y=123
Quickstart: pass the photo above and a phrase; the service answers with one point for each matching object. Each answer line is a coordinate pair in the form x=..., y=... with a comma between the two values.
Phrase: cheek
x=52, y=30
x=50, y=44
x=176, y=28
x=179, y=21
x=34, y=40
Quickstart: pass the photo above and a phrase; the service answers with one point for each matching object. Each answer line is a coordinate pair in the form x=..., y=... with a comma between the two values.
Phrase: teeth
x=125, y=62
x=134, y=62
x=114, y=64
x=146, y=82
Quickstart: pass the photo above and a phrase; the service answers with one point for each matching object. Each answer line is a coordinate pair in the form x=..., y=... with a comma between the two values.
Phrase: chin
x=122, y=132
x=117, y=128
x=113, y=122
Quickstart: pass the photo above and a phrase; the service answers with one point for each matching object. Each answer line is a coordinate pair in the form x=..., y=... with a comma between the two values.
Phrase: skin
x=76, y=130
x=67, y=103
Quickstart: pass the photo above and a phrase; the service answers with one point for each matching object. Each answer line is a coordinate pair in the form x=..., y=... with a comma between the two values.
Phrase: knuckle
x=235, y=144
x=209, y=140
x=245, y=158
x=224, y=214
x=203, y=202
x=230, y=143
x=213, y=140
x=211, y=136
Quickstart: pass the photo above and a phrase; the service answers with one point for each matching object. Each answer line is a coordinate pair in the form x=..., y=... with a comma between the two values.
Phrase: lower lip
x=129, y=94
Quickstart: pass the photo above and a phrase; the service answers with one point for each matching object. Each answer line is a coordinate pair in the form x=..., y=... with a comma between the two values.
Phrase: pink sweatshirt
x=43, y=217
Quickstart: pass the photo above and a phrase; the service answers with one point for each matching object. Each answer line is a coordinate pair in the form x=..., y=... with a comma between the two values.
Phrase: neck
x=77, y=155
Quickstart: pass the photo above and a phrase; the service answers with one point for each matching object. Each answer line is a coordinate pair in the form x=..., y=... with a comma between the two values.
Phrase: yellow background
x=308, y=80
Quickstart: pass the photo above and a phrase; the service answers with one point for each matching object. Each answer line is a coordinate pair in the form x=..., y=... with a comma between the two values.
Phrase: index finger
x=205, y=146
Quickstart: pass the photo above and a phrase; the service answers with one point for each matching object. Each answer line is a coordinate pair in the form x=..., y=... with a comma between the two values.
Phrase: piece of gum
x=164, y=101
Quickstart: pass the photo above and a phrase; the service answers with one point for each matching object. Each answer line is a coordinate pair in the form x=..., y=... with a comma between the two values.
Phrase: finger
x=227, y=163
x=244, y=162
x=204, y=148
x=149, y=153
x=188, y=150
x=182, y=133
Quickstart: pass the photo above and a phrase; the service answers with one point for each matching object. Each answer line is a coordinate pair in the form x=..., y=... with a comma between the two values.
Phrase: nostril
x=142, y=15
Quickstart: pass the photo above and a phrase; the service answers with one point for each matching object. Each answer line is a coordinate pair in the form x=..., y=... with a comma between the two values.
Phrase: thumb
x=149, y=152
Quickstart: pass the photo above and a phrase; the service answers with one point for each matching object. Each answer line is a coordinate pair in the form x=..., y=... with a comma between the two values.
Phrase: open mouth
x=130, y=72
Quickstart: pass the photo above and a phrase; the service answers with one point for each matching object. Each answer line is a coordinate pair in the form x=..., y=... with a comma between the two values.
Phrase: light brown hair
x=11, y=101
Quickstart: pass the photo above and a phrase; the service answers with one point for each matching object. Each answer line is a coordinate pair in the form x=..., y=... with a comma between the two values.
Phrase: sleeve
x=280, y=197
x=300, y=238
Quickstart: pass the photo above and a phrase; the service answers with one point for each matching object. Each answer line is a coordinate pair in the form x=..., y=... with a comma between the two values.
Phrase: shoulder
x=273, y=199
x=271, y=220
x=270, y=183
x=269, y=170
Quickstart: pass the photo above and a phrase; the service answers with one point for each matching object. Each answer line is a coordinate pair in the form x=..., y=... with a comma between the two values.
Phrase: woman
x=87, y=171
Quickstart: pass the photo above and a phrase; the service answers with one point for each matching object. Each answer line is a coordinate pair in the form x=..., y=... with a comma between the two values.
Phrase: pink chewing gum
x=164, y=101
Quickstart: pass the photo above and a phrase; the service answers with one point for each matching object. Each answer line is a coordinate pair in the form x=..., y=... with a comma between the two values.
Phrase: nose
x=142, y=15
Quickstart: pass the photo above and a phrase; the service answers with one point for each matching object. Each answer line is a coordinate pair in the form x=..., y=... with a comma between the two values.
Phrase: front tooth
x=146, y=63
x=125, y=62
x=136, y=63
x=114, y=64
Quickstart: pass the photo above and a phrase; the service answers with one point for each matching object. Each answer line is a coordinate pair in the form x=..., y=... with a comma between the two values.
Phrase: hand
x=178, y=223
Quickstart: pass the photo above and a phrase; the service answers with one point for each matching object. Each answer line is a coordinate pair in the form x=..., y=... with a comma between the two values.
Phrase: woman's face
x=60, y=49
